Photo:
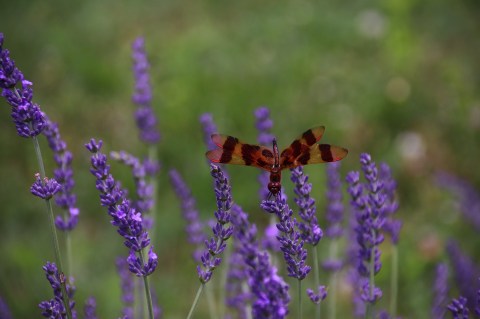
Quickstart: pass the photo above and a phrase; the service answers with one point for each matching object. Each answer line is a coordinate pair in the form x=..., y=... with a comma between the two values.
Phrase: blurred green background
x=398, y=79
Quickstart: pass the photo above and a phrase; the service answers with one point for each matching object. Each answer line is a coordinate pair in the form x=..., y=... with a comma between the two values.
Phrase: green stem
x=394, y=282
x=300, y=299
x=332, y=291
x=195, y=301
x=148, y=294
x=53, y=229
x=211, y=302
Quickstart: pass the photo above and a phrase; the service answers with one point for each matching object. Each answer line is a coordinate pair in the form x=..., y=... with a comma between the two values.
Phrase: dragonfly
x=302, y=151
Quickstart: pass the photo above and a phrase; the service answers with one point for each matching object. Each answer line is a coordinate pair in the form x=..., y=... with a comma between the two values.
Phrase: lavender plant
x=309, y=228
x=142, y=97
x=221, y=232
x=334, y=231
x=370, y=218
x=255, y=288
x=464, y=269
x=291, y=242
x=127, y=287
x=90, y=309
x=194, y=226
x=55, y=307
x=144, y=190
x=440, y=290
x=209, y=127
x=263, y=124
x=269, y=292
x=30, y=121
x=125, y=217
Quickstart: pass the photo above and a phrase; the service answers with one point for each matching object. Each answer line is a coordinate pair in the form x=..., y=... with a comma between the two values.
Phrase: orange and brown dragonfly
x=303, y=151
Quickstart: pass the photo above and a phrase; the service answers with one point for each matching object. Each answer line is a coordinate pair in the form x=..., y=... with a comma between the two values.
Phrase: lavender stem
x=148, y=294
x=300, y=299
x=58, y=258
x=195, y=301
x=332, y=294
x=211, y=302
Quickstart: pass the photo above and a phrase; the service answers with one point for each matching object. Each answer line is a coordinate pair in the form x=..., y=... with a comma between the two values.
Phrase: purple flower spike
x=9, y=74
x=55, y=308
x=369, y=210
x=458, y=308
x=194, y=227
x=27, y=116
x=264, y=124
x=464, y=270
x=144, y=115
x=440, y=291
x=467, y=196
x=392, y=226
x=221, y=232
x=45, y=189
x=321, y=294
x=125, y=217
x=127, y=287
x=64, y=175
x=334, y=211
x=90, y=309
x=144, y=189
x=290, y=239
x=310, y=230
x=269, y=291
x=140, y=269
x=209, y=127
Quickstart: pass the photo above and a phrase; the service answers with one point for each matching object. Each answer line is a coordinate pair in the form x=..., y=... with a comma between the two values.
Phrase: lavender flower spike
x=127, y=287
x=54, y=308
x=309, y=228
x=264, y=124
x=269, y=291
x=458, y=308
x=45, y=189
x=321, y=294
x=64, y=175
x=194, y=227
x=221, y=232
x=392, y=226
x=144, y=190
x=144, y=115
x=125, y=217
x=440, y=292
x=90, y=308
x=290, y=239
x=370, y=217
x=209, y=128
x=27, y=116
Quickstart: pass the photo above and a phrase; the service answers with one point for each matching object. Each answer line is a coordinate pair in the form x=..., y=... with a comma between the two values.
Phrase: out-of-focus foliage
x=398, y=79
